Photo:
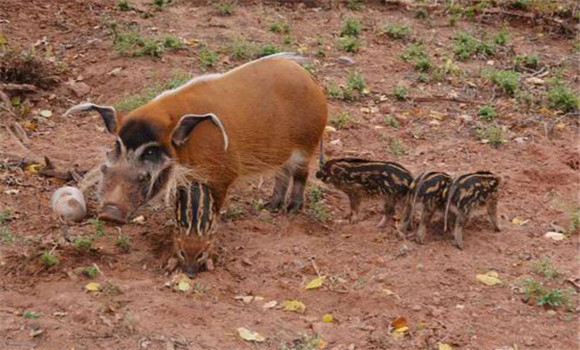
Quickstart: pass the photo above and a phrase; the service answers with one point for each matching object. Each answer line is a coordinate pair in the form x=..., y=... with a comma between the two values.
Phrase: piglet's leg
x=388, y=211
x=354, y=208
x=426, y=216
x=458, y=230
x=492, y=212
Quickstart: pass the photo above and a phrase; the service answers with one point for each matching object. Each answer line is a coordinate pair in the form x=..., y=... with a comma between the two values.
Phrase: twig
x=443, y=98
x=5, y=99
x=314, y=266
x=17, y=87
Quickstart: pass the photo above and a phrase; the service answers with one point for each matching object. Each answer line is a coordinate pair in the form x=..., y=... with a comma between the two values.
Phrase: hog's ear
x=189, y=121
x=108, y=114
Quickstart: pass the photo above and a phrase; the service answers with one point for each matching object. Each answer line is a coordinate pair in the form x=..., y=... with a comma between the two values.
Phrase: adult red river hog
x=268, y=114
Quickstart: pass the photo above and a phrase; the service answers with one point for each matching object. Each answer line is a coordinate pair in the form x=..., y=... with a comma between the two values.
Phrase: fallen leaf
x=245, y=298
x=556, y=236
x=322, y=344
x=92, y=287
x=315, y=283
x=294, y=305
x=258, y=298
x=327, y=318
x=249, y=335
x=270, y=304
x=139, y=219
x=183, y=286
x=30, y=126
x=46, y=113
x=399, y=323
x=33, y=168
x=388, y=291
x=443, y=346
x=520, y=222
x=490, y=278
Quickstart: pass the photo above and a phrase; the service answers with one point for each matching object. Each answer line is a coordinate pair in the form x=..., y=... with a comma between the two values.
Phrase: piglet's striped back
x=195, y=209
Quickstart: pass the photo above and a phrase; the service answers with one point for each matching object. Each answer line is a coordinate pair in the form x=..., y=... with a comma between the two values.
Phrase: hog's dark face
x=136, y=170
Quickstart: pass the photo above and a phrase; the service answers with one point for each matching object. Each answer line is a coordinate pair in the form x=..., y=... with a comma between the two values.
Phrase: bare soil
x=270, y=255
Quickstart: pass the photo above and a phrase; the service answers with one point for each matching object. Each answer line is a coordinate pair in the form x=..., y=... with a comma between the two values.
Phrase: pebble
x=416, y=307
x=347, y=61
x=556, y=236
x=79, y=89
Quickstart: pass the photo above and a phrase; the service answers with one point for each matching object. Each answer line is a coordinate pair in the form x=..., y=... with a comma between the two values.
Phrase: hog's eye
x=152, y=154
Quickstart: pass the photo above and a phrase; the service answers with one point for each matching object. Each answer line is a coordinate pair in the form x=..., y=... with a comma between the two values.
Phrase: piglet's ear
x=189, y=121
x=108, y=114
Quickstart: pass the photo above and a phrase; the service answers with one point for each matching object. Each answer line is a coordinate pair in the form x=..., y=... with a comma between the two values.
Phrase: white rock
x=556, y=236
x=69, y=203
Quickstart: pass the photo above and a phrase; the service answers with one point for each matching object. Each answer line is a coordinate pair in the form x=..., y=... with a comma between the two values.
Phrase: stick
x=314, y=266
x=18, y=87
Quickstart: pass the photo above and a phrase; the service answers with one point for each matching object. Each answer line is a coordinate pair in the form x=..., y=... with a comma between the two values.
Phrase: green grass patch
x=526, y=61
x=507, y=80
x=131, y=102
x=563, y=98
x=207, y=58
x=392, y=122
x=466, y=46
x=90, y=271
x=280, y=27
x=355, y=81
x=30, y=315
x=269, y=49
x=555, y=297
x=123, y=242
x=243, y=49
x=128, y=41
x=341, y=119
x=83, y=244
x=225, y=8
x=351, y=27
x=354, y=5
x=123, y=5
x=545, y=268
x=316, y=208
x=48, y=259
x=349, y=44
x=491, y=134
x=397, y=147
x=395, y=31
x=401, y=92
x=487, y=113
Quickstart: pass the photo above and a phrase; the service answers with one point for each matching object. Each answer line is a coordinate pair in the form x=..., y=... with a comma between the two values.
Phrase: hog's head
x=141, y=162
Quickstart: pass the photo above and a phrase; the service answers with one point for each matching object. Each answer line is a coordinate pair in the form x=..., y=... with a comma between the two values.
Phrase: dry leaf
x=30, y=126
x=443, y=346
x=294, y=305
x=520, y=222
x=249, y=335
x=270, y=304
x=183, y=286
x=33, y=168
x=400, y=322
x=46, y=113
x=315, y=283
x=490, y=278
x=139, y=219
x=92, y=287
x=327, y=318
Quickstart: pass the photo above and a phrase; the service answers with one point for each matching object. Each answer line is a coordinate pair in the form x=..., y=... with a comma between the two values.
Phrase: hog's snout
x=113, y=213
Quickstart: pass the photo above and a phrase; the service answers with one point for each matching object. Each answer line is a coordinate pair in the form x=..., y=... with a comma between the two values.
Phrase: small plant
x=520, y=4
x=49, y=259
x=397, y=147
x=545, y=268
x=508, y=81
x=501, y=38
x=30, y=315
x=349, y=44
x=310, y=68
x=207, y=57
x=574, y=225
x=280, y=28
x=491, y=134
x=160, y=4
x=526, y=61
x=242, y=49
x=563, y=98
x=234, y=212
x=99, y=227
x=171, y=42
x=422, y=64
x=123, y=5
x=414, y=51
x=225, y=8
x=533, y=287
x=422, y=78
x=421, y=13
x=355, y=81
x=316, y=209
x=392, y=122
x=554, y=297
x=351, y=27
x=395, y=31
x=465, y=46
x=401, y=92
x=128, y=41
x=288, y=40
x=83, y=244
x=341, y=119
x=487, y=113
x=123, y=242
x=269, y=49
x=354, y=5
x=90, y=271
x=305, y=342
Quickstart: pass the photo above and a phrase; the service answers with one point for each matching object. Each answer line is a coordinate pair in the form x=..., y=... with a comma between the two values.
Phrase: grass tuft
x=395, y=31
x=487, y=113
x=507, y=80
x=316, y=208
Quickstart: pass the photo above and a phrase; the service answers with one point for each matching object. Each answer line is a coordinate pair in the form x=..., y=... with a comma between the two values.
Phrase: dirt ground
x=372, y=276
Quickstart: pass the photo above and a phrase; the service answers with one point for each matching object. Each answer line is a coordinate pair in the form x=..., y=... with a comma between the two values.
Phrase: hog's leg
x=299, y=183
x=458, y=230
x=426, y=215
x=407, y=218
x=492, y=212
x=280, y=188
x=354, y=207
